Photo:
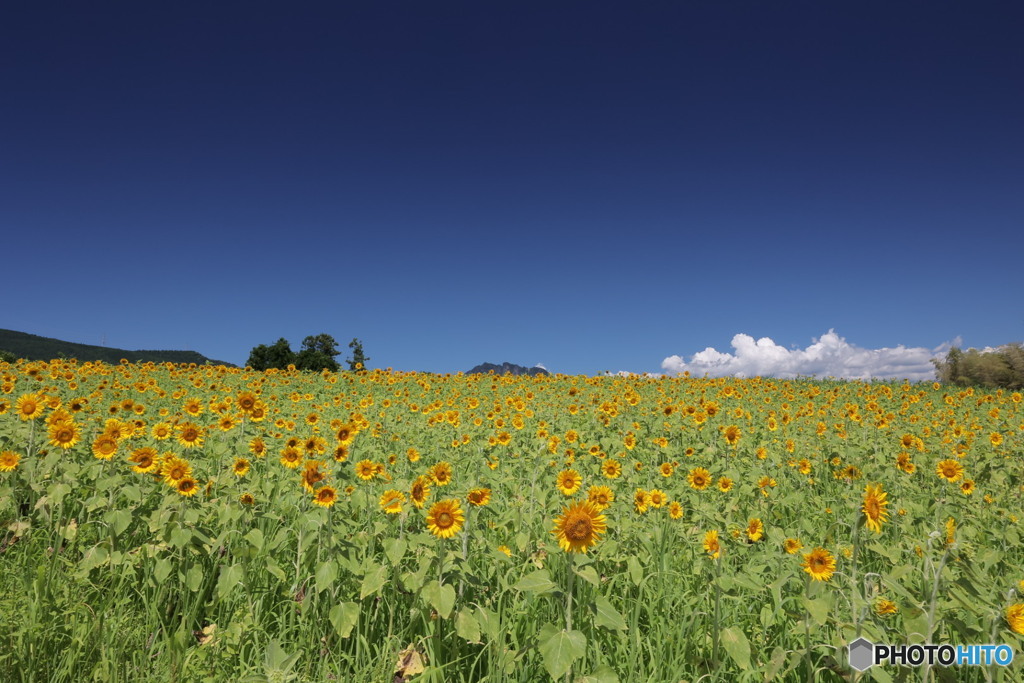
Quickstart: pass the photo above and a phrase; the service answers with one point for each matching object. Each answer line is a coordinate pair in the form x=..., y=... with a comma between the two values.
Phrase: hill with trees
x=34, y=347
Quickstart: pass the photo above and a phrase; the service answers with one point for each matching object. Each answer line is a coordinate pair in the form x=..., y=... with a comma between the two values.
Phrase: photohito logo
x=864, y=654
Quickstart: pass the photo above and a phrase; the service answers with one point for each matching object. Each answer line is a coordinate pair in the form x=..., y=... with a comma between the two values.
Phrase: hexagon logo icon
x=862, y=654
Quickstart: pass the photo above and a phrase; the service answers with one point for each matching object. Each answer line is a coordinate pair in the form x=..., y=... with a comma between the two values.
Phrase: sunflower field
x=184, y=523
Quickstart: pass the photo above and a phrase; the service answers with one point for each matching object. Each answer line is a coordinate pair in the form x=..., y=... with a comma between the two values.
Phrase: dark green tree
x=318, y=354
x=264, y=357
x=7, y=357
x=358, y=360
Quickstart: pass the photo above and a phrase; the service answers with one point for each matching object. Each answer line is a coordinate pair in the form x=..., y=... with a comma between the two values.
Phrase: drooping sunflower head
x=391, y=501
x=711, y=544
x=420, y=491
x=579, y=527
x=874, y=507
x=792, y=546
x=445, y=518
x=479, y=497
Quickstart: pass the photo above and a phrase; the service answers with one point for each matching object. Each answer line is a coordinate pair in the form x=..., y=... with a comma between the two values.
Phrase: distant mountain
x=34, y=347
x=506, y=369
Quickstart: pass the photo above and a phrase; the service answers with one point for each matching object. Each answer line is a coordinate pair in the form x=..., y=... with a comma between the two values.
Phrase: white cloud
x=540, y=365
x=828, y=356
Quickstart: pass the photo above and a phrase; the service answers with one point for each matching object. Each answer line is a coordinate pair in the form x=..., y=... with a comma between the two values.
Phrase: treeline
x=999, y=368
x=318, y=353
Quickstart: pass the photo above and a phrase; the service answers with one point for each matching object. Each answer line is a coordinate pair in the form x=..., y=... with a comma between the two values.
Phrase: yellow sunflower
x=579, y=527
x=30, y=406
x=144, y=460
x=479, y=497
x=699, y=478
x=611, y=469
x=190, y=435
x=820, y=564
x=325, y=496
x=1015, y=617
x=657, y=498
x=441, y=473
x=711, y=545
x=366, y=470
x=600, y=497
x=162, y=431
x=187, y=487
x=104, y=447
x=950, y=470
x=8, y=461
x=755, y=530
x=569, y=482
x=420, y=491
x=675, y=510
x=445, y=518
x=391, y=501
x=884, y=607
x=792, y=545
x=874, y=507
x=240, y=467
x=64, y=434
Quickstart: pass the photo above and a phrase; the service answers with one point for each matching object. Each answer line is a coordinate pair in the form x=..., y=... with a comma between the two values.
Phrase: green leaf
x=229, y=578
x=326, y=575
x=466, y=626
x=602, y=674
x=607, y=616
x=736, y=644
x=255, y=539
x=94, y=557
x=194, y=578
x=395, y=548
x=536, y=582
x=560, y=648
x=276, y=570
x=344, y=617
x=488, y=621
x=817, y=608
x=374, y=578
x=775, y=663
x=441, y=598
x=118, y=520
x=636, y=572
x=162, y=570
x=589, y=574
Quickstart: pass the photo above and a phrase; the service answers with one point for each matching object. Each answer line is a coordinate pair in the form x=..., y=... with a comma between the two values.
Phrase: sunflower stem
x=718, y=609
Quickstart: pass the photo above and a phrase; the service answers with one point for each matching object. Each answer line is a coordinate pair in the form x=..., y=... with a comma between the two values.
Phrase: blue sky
x=590, y=186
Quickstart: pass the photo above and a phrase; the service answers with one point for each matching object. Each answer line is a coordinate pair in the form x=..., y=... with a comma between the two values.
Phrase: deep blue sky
x=592, y=186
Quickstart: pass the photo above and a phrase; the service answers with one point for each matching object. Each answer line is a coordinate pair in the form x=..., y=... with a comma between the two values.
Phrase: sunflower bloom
x=104, y=447
x=30, y=407
x=657, y=498
x=441, y=473
x=64, y=434
x=391, y=501
x=600, y=497
x=190, y=435
x=1015, y=617
x=792, y=546
x=675, y=510
x=820, y=564
x=445, y=518
x=479, y=497
x=755, y=530
x=950, y=470
x=187, y=487
x=874, y=507
x=699, y=478
x=884, y=608
x=325, y=496
x=144, y=460
x=568, y=482
x=8, y=461
x=711, y=545
x=366, y=470
x=579, y=527
x=420, y=491
x=611, y=469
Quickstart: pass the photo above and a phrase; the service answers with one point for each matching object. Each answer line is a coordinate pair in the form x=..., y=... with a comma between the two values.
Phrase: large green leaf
x=737, y=646
x=560, y=648
x=440, y=597
x=374, y=578
x=606, y=615
x=343, y=617
x=536, y=582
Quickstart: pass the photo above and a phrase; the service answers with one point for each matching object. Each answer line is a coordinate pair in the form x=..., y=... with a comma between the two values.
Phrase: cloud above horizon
x=828, y=356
